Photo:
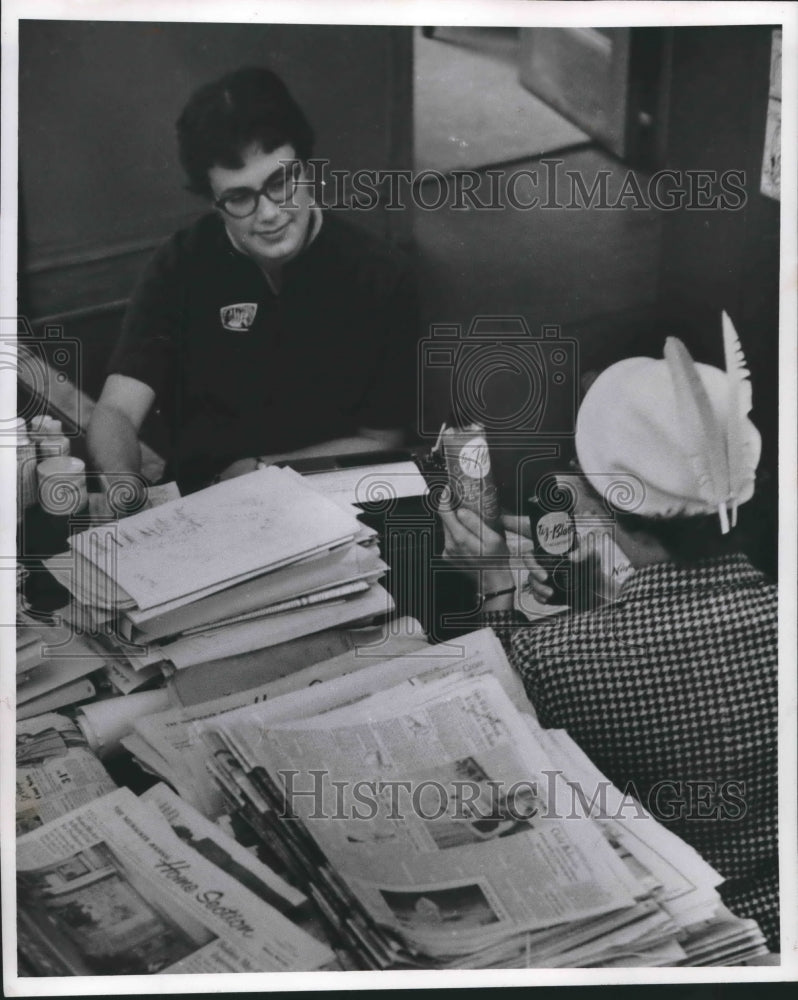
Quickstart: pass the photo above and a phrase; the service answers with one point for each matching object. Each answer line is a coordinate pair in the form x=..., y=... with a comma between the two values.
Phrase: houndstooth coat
x=672, y=692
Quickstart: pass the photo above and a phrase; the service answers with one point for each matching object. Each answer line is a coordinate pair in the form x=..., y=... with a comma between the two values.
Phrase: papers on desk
x=220, y=678
x=119, y=864
x=215, y=537
x=246, y=594
x=105, y=722
x=53, y=665
x=56, y=771
x=371, y=483
x=270, y=629
x=247, y=564
x=210, y=840
x=63, y=696
x=317, y=574
x=168, y=743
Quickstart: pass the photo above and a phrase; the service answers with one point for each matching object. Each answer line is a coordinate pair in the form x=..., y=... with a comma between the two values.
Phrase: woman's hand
x=468, y=538
x=518, y=533
x=535, y=583
x=493, y=561
x=476, y=549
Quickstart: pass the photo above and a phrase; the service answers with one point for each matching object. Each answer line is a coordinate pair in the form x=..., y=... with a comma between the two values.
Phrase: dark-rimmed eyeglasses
x=278, y=188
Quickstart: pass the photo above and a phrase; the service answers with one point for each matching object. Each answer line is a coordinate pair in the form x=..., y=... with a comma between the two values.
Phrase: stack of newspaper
x=407, y=811
x=241, y=566
x=435, y=824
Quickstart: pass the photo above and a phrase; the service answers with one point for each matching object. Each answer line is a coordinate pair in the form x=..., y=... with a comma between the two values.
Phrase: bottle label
x=468, y=464
x=474, y=458
x=555, y=533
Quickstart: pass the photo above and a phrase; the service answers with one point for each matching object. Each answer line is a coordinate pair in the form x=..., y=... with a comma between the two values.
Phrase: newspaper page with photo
x=130, y=897
x=443, y=869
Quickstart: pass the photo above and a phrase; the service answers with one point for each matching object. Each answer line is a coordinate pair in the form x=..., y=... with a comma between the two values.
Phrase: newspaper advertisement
x=56, y=770
x=133, y=898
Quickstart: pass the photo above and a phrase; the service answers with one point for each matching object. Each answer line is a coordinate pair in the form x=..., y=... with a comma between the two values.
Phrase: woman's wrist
x=501, y=600
x=496, y=591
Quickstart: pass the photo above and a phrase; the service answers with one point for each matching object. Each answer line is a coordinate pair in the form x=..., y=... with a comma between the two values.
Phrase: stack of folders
x=229, y=571
x=436, y=825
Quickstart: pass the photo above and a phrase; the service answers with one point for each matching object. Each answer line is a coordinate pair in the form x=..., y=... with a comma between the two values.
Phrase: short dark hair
x=251, y=106
x=686, y=539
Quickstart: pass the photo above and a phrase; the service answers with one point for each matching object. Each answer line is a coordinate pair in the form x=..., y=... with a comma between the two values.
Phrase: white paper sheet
x=371, y=483
x=261, y=520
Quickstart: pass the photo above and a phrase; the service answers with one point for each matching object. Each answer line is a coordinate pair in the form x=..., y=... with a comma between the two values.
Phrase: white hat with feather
x=679, y=430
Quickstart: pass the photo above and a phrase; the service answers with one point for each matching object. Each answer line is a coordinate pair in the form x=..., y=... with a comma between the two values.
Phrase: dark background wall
x=716, y=98
x=100, y=183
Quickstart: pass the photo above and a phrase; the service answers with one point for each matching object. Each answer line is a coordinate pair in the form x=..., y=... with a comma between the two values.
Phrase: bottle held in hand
x=556, y=542
x=471, y=480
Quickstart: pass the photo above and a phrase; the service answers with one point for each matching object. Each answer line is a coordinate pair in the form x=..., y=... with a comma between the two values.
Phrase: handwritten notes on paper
x=237, y=528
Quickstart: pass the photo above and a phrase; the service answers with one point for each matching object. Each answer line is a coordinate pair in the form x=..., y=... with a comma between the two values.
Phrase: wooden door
x=602, y=79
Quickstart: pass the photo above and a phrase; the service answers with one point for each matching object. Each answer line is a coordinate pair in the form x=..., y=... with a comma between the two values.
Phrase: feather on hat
x=679, y=427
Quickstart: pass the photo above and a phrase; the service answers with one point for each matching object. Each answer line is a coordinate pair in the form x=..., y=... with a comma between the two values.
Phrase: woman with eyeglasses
x=270, y=328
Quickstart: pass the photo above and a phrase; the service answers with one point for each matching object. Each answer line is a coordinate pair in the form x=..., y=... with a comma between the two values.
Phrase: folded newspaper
x=56, y=770
x=168, y=743
x=111, y=889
